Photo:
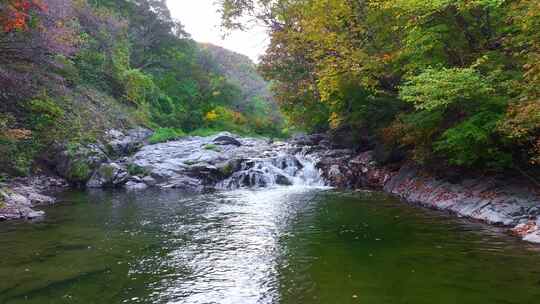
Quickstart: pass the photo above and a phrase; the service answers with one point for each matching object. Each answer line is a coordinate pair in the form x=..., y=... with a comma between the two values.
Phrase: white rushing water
x=283, y=169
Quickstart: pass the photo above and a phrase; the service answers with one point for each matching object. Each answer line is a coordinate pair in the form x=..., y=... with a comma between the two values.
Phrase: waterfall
x=283, y=169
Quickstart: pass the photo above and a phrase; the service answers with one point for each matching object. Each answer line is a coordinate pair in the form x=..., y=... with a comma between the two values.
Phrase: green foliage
x=166, y=134
x=212, y=147
x=204, y=132
x=79, y=172
x=439, y=89
x=139, y=87
x=446, y=80
x=136, y=170
x=472, y=143
x=46, y=113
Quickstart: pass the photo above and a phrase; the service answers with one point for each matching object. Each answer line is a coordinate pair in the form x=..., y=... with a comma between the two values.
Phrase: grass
x=165, y=135
x=212, y=147
x=204, y=132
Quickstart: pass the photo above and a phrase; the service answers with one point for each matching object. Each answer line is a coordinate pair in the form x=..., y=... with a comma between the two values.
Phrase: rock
x=149, y=181
x=301, y=139
x=135, y=186
x=16, y=199
x=40, y=199
x=34, y=214
x=184, y=183
x=283, y=180
x=121, y=144
x=224, y=140
x=21, y=195
x=135, y=179
x=77, y=164
x=186, y=160
x=108, y=175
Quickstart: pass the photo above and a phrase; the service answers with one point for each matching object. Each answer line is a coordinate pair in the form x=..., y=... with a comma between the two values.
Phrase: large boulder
x=108, y=175
x=224, y=140
x=77, y=163
x=125, y=143
x=19, y=197
x=190, y=165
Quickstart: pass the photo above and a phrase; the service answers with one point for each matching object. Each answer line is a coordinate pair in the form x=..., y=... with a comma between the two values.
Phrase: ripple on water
x=281, y=245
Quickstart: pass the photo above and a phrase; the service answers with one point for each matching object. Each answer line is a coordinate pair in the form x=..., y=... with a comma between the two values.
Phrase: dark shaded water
x=285, y=245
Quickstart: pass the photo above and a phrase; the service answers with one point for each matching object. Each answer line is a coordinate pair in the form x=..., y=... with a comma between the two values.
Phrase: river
x=277, y=245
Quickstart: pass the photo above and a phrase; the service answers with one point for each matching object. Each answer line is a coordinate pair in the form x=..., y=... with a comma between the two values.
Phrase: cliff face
x=512, y=203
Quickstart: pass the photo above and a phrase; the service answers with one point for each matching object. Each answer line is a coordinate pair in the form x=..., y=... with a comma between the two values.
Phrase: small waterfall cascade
x=282, y=169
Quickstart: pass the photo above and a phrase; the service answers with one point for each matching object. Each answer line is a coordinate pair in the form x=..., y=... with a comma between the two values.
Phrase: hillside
x=71, y=70
x=242, y=71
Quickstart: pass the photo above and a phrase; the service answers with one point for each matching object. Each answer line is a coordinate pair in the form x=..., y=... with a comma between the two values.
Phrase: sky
x=201, y=19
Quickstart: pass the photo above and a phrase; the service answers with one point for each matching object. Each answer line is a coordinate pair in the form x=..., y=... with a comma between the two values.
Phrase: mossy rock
x=79, y=172
x=107, y=172
x=136, y=170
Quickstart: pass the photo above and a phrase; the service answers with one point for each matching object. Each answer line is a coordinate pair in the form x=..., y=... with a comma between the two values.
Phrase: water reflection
x=284, y=245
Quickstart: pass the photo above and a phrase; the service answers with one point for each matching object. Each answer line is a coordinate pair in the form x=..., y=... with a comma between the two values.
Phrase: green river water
x=284, y=245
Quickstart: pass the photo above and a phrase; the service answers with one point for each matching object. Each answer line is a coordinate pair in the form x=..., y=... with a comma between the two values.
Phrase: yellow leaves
x=335, y=120
x=224, y=116
x=211, y=116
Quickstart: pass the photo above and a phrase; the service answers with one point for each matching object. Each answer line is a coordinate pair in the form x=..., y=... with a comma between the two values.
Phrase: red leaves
x=16, y=14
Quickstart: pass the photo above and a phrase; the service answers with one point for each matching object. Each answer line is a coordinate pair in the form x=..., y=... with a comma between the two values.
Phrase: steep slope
x=240, y=70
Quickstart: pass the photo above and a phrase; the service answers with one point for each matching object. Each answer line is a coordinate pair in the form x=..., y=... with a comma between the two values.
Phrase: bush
x=136, y=170
x=472, y=143
x=166, y=134
x=140, y=88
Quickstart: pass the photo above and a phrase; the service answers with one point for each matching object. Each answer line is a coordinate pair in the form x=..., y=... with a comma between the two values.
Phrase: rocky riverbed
x=226, y=161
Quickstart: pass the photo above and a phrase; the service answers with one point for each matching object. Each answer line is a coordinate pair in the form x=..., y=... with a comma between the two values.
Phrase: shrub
x=166, y=134
x=139, y=87
x=472, y=143
x=134, y=169
x=79, y=172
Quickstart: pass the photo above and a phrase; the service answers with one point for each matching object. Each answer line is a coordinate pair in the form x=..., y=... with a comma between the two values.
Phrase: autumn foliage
x=17, y=14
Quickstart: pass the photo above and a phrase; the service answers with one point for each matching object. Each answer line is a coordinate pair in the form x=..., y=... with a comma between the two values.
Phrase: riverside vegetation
x=447, y=84
x=71, y=70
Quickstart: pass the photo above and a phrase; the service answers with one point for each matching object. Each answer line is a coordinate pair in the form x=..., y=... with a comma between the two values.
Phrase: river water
x=279, y=245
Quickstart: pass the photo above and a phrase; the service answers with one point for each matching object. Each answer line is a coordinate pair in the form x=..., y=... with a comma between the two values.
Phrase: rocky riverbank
x=195, y=164
x=225, y=161
x=508, y=202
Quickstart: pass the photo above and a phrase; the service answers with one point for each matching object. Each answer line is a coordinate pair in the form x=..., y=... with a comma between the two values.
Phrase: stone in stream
x=226, y=140
x=108, y=175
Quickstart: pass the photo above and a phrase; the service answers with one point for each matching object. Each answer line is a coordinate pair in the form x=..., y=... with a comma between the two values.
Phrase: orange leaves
x=17, y=134
x=16, y=14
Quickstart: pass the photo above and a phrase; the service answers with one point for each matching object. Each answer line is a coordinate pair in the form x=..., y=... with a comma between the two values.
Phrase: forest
x=453, y=82
x=69, y=70
x=443, y=83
